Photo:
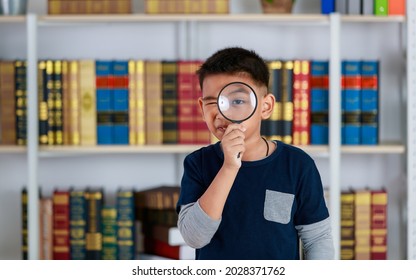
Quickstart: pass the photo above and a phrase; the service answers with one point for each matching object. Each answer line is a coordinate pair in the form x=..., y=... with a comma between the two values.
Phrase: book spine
x=347, y=225
x=88, y=115
x=319, y=102
x=341, y=6
x=66, y=104
x=351, y=102
x=74, y=103
x=57, y=88
x=354, y=7
x=46, y=229
x=61, y=245
x=21, y=102
x=153, y=93
x=140, y=102
x=396, y=7
x=327, y=6
x=125, y=225
x=185, y=103
x=367, y=7
x=381, y=7
x=379, y=200
x=287, y=102
x=50, y=94
x=78, y=224
x=370, y=102
x=133, y=131
x=109, y=228
x=362, y=224
x=7, y=103
x=121, y=102
x=24, y=219
x=105, y=102
x=271, y=128
x=301, y=102
x=43, y=104
x=169, y=98
x=94, y=238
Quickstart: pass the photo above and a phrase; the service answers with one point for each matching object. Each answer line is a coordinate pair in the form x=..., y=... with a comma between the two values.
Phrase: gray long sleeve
x=317, y=240
x=196, y=227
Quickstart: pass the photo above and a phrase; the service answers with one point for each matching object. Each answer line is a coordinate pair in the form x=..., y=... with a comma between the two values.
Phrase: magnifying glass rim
x=218, y=102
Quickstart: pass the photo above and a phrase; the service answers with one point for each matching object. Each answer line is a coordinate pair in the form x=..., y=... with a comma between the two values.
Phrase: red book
x=202, y=133
x=60, y=224
x=186, y=103
x=163, y=249
x=301, y=102
x=397, y=7
x=379, y=224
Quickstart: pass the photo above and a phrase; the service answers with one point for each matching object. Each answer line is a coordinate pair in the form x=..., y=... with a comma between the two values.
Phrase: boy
x=245, y=197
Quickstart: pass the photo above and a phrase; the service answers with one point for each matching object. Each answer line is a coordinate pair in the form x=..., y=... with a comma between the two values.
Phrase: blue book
x=351, y=102
x=104, y=100
x=327, y=6
x=121, y=103
x=369, y=102
x=319, y=102
x=125, y=224
x=77, y=224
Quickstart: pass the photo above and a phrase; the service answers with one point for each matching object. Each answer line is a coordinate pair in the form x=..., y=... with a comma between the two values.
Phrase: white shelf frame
x=411, y=130
x=187, y=25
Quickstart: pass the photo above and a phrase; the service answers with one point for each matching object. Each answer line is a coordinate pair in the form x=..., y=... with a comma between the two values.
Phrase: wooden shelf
x=12, y=149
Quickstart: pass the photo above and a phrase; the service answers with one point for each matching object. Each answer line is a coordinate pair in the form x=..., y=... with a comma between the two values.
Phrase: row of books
x=187, y=6
x=364, y=7
x=364, y=224
x=61, y=7
x=140, y=102
x=81, y=224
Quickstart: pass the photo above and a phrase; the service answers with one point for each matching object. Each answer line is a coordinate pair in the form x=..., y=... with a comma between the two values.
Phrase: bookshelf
x=196, y=36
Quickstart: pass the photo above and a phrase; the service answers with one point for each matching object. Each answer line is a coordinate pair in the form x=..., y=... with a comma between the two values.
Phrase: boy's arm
x=196, y=227
x=317, y=240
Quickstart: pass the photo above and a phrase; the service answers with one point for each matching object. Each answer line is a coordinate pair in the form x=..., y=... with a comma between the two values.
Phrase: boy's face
x=216, y=123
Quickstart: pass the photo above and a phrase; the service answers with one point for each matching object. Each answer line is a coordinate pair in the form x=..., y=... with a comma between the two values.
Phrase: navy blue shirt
x=268, y=199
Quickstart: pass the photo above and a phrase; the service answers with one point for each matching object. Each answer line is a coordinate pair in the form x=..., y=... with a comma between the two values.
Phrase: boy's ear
x=267, y=106
x=201, y=108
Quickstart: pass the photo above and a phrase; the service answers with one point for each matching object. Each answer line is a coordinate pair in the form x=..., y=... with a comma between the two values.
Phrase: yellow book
x=132, y=103
x=88, y=111
x=153, y=93
x=74, y=99
x=140, y=103
x=362, y=224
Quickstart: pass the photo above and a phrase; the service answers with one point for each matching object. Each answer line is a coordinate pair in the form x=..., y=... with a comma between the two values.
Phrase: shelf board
x=12, y=149
x=278, y=18
x=12, y=19
x=374, y=149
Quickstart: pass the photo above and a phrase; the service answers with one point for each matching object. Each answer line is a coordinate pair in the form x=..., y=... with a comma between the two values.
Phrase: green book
x=380, y=7
x=109, y=228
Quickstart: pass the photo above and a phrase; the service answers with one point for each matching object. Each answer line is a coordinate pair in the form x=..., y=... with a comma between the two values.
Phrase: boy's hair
x=235, y=60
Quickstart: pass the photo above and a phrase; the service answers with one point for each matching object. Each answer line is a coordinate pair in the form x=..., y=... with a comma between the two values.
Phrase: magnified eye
x=238, y=102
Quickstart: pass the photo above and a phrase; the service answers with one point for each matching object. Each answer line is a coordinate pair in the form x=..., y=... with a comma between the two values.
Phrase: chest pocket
x=278, y=206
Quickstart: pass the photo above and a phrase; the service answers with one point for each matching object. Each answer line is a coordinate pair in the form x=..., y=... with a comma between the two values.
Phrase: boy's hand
x=233, y=145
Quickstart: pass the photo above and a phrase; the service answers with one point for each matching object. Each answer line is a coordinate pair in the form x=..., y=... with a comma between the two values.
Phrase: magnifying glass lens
x=237, y=102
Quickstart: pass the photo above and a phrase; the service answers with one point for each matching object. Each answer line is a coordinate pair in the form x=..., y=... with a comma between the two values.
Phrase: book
x=153, y=100
x=57, y=88
x=120, y=102
x=202, y=136
x=396, y=7
x=169, y=102
x=43, y=104
x=24, y=223
x=141, y=102
x=186, y=102
x=125, y=224
x=7, y=103
x=369, y=102
x=61, y=7
x=319, y=102
x=287, y=102
x=347, y=225
x=163, y=249
x=272, y=128
x=50, y=97
x=61, y=239
x=77, y=223
x=381, y=7
x=379, y=201
x=362, y=224
x=21, y=101
x=327, y=6
x=105, y=101
x=45, y=228
x=94, y=239
x=87, y=112
x=301, y=102
x=341, y=6
x=168, y=234
x=351, y=102
x=109, y=231
x=74, y=101
x=354, y=7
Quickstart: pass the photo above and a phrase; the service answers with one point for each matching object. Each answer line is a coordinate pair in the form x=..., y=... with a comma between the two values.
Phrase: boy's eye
x=238, y=102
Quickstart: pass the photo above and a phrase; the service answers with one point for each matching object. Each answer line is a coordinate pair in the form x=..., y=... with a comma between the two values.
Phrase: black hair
x=234, y=60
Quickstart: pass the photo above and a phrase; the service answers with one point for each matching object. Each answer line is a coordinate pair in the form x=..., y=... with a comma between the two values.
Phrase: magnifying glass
x=237, y=102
